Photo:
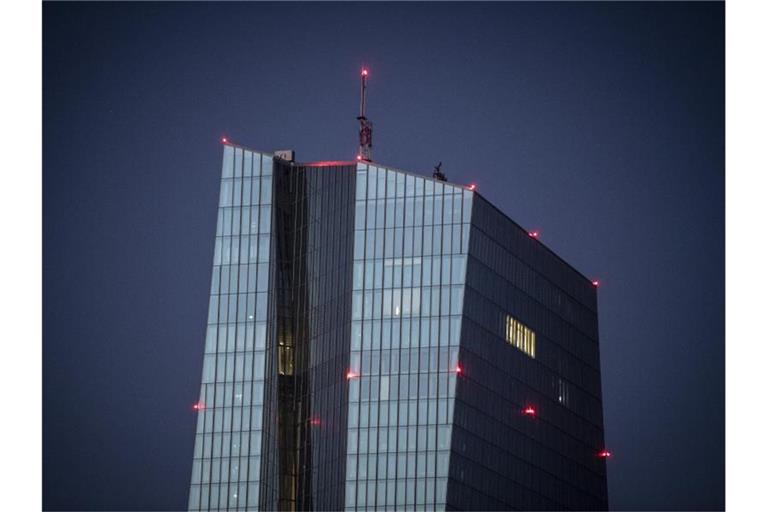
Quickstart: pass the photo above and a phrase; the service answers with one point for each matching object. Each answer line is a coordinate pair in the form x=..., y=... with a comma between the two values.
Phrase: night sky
x=600, y=125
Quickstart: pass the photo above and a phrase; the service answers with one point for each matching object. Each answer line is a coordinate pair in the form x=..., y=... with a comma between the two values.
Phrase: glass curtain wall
x=226, y=464
x=534, y=347
x=314, y=221
x=410, y=246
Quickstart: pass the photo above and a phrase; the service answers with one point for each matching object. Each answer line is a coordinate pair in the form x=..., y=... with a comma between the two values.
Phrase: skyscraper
x=382, y=340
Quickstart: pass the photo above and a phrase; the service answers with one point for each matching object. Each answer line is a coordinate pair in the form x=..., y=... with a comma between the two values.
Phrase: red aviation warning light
x=458, y=370
x=364, y=72
x=314, y=422
x=604, y=454
x=352, y=375
x=224, y=140
x=472, y=186
x=533, y=234
x=198, y=406
x=529, y=411
x=595, y=283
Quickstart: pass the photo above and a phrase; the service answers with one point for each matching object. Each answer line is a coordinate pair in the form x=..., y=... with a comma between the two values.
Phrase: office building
x=379, y=339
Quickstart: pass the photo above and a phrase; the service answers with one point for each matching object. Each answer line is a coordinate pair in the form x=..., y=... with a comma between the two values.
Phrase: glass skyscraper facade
x=410, y=257
x=230, y=423
x=382, y=340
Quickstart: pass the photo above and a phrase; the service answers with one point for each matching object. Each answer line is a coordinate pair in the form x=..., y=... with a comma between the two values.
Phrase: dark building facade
x=383, y=340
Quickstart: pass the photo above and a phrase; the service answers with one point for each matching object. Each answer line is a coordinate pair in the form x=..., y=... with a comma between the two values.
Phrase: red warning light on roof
x=352, y=375
x=472, y=186
x=199, y=406
x=604, y=454
x=364, y=72
x=314, y=421
x=359, y=157
x=595, y=283
x=224, y=140
x=458, y=369
x=533, y=234
x=529, y=411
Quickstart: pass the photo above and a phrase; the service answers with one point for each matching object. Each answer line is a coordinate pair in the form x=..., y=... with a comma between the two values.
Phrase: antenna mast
x=366, y=127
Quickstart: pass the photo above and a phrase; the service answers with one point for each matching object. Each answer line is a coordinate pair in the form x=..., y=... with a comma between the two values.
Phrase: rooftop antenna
x=438, y=174
x=366, y=127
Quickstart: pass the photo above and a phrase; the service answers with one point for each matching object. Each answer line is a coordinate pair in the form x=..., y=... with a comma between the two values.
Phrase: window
x=520, y=336
x=562, y=392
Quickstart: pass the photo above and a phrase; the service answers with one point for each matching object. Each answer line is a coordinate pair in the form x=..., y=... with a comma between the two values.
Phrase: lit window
x=562, y=392
x=520, y=336
x=285, y=358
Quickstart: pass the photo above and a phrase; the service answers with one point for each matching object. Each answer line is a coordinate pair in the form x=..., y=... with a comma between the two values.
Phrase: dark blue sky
x=600, y=125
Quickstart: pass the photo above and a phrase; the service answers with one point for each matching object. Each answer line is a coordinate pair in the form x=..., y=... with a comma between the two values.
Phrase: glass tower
x=227, y=457
x=410, y=258
x=382, y=340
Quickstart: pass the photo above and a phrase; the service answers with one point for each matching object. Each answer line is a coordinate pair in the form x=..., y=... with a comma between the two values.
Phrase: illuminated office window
x=562, y=391
x=520, y=336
